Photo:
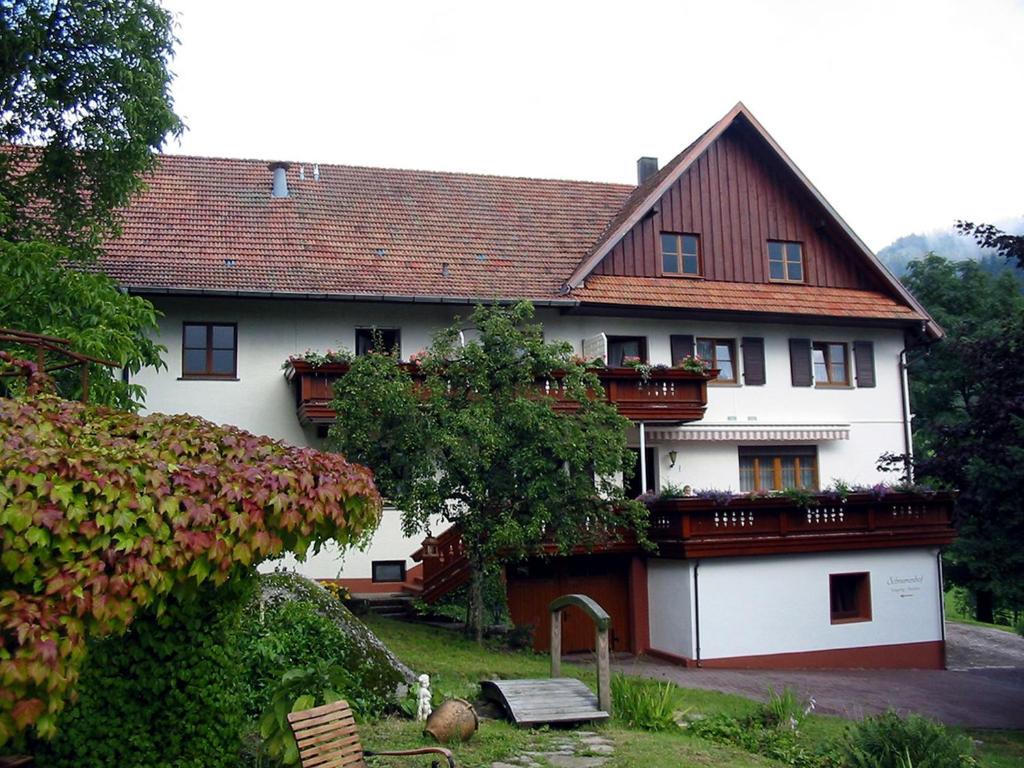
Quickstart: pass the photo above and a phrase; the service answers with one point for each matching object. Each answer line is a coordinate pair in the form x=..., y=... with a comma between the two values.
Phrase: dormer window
x=680, y=254
x=785, y=262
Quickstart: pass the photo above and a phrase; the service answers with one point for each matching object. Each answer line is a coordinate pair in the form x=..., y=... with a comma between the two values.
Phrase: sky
x=906, y=115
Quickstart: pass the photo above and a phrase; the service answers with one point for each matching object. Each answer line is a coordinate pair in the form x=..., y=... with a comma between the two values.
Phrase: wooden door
x=532, y=586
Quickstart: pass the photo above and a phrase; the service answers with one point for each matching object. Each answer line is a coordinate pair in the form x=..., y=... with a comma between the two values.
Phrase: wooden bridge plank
x=532, y=702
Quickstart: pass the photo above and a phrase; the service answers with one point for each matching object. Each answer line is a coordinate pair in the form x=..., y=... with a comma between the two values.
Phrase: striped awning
x=761, y=433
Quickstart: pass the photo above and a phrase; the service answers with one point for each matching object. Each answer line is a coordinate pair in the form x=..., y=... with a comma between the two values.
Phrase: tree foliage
x=42, y=293
x=1010, y=247
x=968, y=399
x=105, y=513
x=480, y=445
x=84, y=103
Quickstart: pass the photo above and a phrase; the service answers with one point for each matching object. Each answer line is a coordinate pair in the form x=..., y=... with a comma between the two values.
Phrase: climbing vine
x=104, y=513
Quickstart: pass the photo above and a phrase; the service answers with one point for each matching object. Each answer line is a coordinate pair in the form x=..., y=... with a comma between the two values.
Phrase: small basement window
x=849, y=597
x=368, y=338
x=389, y=570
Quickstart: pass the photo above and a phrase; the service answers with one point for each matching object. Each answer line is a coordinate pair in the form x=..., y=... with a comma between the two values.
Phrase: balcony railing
x=694, y=527
x=669, y=395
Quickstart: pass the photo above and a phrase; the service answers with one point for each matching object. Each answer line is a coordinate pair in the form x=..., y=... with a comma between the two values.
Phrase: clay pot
x=454, y=719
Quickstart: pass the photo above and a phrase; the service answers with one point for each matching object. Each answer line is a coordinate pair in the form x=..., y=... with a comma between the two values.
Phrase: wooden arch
x=602, y=622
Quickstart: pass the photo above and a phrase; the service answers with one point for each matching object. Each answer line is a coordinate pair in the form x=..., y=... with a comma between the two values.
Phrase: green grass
x=957, y=612
x=456, y=666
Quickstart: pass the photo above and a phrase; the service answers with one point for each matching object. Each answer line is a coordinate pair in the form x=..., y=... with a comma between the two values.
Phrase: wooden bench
x=328, y=738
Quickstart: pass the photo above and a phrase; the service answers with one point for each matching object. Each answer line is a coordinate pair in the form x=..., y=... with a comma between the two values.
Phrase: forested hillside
x=950, y=245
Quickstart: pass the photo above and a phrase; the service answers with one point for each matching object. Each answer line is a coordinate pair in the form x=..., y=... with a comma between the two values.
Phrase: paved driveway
x=983, y=688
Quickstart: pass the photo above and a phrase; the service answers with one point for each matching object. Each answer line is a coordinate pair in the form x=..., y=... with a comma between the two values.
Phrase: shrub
x=890, y=741
x=751, y=734
x=293, y=623
x=645, y=704
x=165, y=694
x=107, y=515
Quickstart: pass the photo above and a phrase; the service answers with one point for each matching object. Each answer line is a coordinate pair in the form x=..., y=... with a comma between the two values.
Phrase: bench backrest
x=327, y=736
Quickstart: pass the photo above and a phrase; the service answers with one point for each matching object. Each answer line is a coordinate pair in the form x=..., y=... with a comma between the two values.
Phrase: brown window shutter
x=682, y=346
x=864, y=362
x=800, y=362
x=753, y=360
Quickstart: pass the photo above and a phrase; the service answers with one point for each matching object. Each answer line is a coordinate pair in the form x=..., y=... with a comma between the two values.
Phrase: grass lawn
x=456, y=665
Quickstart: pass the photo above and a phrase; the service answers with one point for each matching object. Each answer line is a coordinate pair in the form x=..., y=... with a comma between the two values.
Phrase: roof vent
x=645, y=168
x=280, y=171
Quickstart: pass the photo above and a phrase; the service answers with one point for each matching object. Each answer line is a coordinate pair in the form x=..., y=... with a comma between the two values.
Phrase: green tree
x=477, y=443
x=84, y=103
x=41, y=292
x=968, y=400
x=84, y=106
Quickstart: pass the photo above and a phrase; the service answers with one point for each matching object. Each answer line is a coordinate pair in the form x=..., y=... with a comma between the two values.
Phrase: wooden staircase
x=445, y=565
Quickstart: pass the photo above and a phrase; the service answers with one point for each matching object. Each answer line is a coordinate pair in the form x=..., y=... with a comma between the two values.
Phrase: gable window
x=680, y=254
x=849, y=597
x=367, y=338
x=209, y=350
x=775, y=468
x=721, y=353
x=626, y=349
x=785, y=261
x=831, y=363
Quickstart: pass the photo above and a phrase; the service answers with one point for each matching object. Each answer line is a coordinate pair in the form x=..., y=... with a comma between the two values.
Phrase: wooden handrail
x=602, y=623
x=41, y=344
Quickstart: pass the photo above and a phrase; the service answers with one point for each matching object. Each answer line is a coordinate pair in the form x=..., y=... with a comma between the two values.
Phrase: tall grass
x=645, y=704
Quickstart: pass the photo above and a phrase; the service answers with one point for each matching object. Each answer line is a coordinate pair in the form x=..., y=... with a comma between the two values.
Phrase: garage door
x=532, y=586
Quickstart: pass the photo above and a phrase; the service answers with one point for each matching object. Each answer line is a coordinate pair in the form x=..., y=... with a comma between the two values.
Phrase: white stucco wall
x=331, y=562
x=670, y=604
x=780, y=603
x=261, y=401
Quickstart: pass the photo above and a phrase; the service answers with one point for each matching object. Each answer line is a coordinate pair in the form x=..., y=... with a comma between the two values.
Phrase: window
x=389, y=570
x=830, y=362
x=209, y=350
x=366, y=340
x=785, y=261
x=721, y=354
x=626, y=349
x=768, y=468
x=849, y=597
x=680, y=254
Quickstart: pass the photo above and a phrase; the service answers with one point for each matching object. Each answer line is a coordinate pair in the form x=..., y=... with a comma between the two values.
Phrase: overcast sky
x=905, y=115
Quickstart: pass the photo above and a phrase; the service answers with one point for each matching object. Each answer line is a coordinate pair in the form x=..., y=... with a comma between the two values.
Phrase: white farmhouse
x=727, y=251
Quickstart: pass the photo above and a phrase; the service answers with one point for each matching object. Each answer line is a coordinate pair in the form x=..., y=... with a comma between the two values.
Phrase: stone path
x=571, y=749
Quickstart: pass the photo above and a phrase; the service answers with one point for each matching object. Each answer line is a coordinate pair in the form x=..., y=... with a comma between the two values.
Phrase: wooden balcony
x=670, y=396
x=694, y=527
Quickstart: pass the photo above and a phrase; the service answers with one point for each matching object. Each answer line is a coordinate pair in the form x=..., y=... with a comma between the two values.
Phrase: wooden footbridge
x=560, y=700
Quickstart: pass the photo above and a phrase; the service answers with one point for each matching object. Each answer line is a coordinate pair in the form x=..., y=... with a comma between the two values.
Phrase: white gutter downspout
x=643, y=459
x=908, y=435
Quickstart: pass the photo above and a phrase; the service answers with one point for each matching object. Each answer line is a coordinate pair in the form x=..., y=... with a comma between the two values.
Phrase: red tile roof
x=771, y=298
x=208, y=224
x=212, y=224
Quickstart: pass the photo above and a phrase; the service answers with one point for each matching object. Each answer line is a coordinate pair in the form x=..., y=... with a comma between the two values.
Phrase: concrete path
x=984, y=687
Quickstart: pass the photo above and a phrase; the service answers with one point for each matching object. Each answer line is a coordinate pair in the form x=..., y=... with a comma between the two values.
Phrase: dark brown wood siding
x=737, y=197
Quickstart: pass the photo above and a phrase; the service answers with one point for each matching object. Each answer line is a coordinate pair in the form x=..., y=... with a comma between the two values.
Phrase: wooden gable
x=736, y=197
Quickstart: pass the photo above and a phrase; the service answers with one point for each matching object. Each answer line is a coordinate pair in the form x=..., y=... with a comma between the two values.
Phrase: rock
x=375, y=658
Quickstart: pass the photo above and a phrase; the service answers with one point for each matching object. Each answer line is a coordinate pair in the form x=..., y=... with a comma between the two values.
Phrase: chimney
x=280, y=171
x=645, y=168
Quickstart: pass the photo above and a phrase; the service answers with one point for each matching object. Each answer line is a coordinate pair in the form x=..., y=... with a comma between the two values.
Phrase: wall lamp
x=672, y=456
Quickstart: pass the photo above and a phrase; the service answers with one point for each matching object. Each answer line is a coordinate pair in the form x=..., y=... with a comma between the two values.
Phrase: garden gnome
x=423, y=709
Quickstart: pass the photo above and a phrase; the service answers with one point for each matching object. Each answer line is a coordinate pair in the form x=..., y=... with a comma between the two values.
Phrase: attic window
x=680, y=254
x=785, y=262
